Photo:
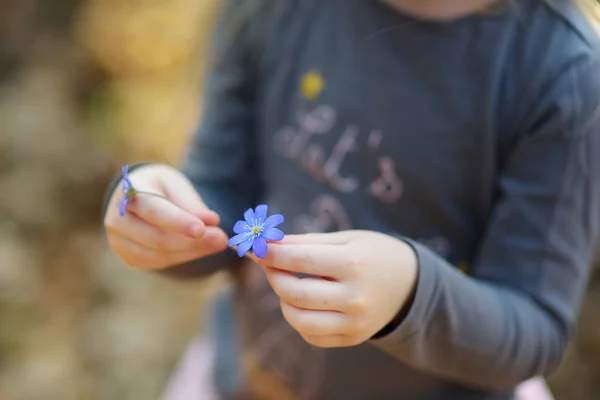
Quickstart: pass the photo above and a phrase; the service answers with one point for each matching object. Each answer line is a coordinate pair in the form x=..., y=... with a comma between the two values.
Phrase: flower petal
x=236, y=240
x=259, y=247
x=249, y=216
x=243, y=247
x=273, y=234
x=260, y=213
x=126, y=182
x=273, y=221
x=241, y=227
x=123, y=209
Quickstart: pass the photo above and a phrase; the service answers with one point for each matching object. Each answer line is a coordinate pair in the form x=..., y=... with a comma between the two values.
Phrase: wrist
x=399, y=317
x=411, y=265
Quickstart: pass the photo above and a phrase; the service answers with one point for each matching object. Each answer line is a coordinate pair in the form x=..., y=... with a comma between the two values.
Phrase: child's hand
x=366, y=279
x=156, y=233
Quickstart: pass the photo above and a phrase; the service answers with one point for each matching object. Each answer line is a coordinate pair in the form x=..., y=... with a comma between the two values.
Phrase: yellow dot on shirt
x=312, y=85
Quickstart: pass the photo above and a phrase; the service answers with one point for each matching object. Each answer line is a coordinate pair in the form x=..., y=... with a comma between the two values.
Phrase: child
x=437, y=166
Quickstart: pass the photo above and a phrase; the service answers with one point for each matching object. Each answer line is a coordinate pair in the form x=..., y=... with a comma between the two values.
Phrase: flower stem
x=160, y=196
x=152, y=194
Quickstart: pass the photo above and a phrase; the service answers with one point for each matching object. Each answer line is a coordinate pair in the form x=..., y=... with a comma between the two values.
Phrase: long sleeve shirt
x=475, y=140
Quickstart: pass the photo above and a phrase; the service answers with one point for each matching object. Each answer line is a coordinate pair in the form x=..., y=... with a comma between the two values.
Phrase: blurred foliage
x=86, y=85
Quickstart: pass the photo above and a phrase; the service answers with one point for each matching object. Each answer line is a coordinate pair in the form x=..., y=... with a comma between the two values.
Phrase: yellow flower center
x=256, y=230
x=131, y=192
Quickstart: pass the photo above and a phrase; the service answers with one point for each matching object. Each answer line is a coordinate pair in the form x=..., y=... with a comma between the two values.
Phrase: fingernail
x=196, y=230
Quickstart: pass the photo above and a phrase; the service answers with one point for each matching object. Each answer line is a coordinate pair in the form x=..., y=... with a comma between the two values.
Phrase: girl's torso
x=372, y=120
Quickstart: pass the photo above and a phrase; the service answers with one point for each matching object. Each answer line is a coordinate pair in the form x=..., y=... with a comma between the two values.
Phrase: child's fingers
x=136, y=255
x=330, y=341
x=320, y=260
x=149, y=236
x=181, y=192
x=214, y=241
x=318, y=238
x=167, y=216
x=307, y=293
x=315, y=323
x=209, y=217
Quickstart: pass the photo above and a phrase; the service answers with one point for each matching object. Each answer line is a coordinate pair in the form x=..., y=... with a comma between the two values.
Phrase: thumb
x=181, y=192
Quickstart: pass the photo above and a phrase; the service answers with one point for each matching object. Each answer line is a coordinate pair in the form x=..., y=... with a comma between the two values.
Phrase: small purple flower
x=254, y=232
x=128, y=190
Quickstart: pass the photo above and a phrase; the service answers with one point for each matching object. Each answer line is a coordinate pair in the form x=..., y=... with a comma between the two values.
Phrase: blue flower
x=254, y=232
x=128, y=190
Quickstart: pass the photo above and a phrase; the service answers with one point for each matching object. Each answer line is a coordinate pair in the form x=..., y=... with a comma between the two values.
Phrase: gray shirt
x=475, y=140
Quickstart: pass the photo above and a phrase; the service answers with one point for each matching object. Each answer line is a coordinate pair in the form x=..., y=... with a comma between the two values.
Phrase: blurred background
x=85, y=86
